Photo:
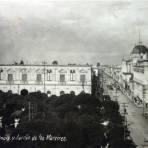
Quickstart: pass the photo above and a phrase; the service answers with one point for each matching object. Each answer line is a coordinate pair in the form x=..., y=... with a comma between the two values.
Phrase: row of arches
x=25, y=92
x=61, y=93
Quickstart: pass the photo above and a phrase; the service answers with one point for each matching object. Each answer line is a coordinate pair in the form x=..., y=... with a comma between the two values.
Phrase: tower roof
x=138, y=49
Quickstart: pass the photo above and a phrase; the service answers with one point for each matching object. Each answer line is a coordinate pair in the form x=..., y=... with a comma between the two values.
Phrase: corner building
x=135, y=75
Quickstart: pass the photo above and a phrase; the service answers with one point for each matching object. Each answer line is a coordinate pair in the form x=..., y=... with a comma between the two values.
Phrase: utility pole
x=18, y=88
x=143, y=107
x=44, y=76
x=125, y=118
x=116, y=96
x=83, y=86
x=102, y=83
x=102, y=79
x=116, y=92
x=140, y=40
x=29, y=110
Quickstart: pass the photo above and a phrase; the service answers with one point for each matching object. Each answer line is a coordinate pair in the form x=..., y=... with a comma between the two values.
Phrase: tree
x=72, y=116
x=72, y=93
x=55, y=63
x=21, y=62
x=24, y=92
x=98, y=64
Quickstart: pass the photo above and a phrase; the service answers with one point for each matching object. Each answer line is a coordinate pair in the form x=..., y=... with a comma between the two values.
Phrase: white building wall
x=54, y=85
x=141, y=83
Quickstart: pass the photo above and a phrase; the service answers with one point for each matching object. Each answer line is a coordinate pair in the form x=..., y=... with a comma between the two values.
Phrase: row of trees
x=75, y=118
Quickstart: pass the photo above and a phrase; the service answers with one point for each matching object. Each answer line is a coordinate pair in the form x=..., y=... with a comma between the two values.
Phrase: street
x=137, y=123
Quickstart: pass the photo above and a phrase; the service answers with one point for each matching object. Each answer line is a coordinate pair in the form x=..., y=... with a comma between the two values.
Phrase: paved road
x=138, y=124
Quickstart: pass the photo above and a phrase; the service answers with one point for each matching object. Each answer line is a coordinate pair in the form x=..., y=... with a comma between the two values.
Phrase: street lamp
x=105, y=123
x=79, y=107
x=16, y=122
x=105, y=140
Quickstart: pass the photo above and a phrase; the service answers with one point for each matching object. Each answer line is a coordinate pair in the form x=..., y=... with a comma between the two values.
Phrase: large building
x=132, y=75
x=51, y=79
x=135, y=73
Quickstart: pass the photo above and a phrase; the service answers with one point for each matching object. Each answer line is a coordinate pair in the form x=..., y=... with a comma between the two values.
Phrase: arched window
x=72, y=75
x=24, y=77
x=82, y=78
x=49, y=72
x=38, y=91
x=39, y=78
x=9, y=91
x=62, y=93
x=10, y=78
x=72, y=93
x=62, y=78
x=48, y=92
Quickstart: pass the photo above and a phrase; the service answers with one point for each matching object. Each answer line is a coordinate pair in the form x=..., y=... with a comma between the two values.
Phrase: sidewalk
x=136, y=122
x=130, y=97
x=125, y=93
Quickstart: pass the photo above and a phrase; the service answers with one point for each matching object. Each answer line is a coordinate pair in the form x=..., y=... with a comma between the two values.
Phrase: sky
x=71, y=31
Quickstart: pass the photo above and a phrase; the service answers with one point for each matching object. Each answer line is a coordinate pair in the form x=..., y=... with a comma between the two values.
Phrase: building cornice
x=45, y=65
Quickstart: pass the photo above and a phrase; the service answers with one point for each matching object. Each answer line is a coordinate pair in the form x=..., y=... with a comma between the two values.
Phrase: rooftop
x=138, y=49
x=68, y=65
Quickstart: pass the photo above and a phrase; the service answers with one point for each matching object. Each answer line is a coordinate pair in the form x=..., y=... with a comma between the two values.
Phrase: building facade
x=132, y=75
x=135, y=73
x=50, y=79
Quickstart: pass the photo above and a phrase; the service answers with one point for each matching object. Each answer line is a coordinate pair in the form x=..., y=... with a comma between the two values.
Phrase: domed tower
x=139, y=53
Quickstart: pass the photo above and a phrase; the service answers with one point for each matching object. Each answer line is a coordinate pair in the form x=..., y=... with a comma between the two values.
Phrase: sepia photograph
x=73, y=74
